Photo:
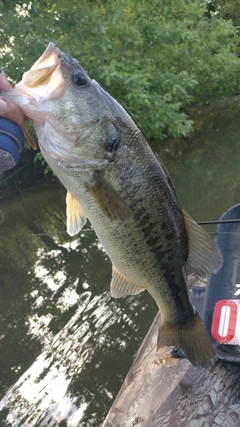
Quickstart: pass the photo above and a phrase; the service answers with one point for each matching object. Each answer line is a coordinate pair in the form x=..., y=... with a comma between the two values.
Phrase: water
x=66, y=345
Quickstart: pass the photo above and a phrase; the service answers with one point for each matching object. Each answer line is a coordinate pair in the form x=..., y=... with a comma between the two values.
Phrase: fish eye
x=80, y=78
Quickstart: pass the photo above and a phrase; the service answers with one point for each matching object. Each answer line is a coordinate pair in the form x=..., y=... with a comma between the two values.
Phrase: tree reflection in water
x=66, y=345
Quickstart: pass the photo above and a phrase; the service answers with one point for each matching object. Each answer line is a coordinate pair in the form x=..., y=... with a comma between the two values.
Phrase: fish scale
x=114, y=179
x=155, y=259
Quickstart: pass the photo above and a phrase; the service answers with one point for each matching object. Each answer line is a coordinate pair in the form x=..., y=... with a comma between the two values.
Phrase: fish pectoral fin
x=75, y=216
x=121, y=286
x=204, y=255
x=110, y=202
x=192, y=338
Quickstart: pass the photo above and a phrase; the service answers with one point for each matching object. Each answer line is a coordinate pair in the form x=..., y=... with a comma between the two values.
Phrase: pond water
x=66, y=345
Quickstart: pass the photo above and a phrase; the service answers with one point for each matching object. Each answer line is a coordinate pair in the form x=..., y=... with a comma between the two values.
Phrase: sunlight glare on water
x=72, y=322
x=66, y=345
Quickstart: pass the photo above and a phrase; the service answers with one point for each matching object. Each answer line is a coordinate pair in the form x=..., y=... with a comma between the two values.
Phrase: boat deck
x=161, y=390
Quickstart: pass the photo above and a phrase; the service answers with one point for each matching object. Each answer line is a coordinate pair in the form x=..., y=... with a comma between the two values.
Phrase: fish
x=114, y=179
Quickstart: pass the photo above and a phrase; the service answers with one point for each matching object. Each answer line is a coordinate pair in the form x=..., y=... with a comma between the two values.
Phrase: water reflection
x=42, y=396
x=65, y=344
x=205, y=166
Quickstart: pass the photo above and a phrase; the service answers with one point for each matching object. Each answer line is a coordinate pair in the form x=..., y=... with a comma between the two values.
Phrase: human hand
x=11, y=125
x=8, y=109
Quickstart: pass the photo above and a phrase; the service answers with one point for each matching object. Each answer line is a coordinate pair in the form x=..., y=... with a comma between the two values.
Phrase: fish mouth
x=43, y=68
x=51, y=55
x=45, y=79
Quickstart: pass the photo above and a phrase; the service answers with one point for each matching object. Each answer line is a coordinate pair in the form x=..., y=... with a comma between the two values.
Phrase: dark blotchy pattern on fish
x=114, y=179
x=150, y=204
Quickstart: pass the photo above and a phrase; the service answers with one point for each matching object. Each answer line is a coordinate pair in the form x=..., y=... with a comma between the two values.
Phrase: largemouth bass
x=114, y=179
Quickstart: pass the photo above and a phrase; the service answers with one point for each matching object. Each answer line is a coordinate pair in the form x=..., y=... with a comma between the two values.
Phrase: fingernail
x=3, y=106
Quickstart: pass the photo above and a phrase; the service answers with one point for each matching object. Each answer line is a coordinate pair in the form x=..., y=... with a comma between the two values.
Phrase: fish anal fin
x=192, y=338
x=110, y=202
x=121, y=286
x=204, y=256
x=75, y=215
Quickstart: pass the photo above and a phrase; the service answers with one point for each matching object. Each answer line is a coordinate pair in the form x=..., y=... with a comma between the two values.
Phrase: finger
x=4, y=84
x=10, y=110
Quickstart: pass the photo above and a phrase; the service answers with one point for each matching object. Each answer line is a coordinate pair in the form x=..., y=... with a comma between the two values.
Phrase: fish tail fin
x=192, y=338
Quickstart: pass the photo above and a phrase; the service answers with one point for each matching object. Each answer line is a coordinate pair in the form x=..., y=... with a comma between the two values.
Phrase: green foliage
x=39, y=158
x=229, y=10
x=156, y=58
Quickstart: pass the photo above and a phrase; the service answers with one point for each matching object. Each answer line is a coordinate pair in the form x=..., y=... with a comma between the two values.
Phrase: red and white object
x=226, y=322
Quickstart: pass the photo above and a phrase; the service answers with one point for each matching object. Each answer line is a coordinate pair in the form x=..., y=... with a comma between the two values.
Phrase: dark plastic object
x=11, y=143
x=223, y=291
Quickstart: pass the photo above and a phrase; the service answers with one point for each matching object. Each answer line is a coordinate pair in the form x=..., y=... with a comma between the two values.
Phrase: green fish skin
x=114, y=179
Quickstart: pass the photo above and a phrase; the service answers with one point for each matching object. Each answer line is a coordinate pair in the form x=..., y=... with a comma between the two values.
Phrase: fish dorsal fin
x=75, y=215
x=204, y=256
x=110, y=202
x=121, y=287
